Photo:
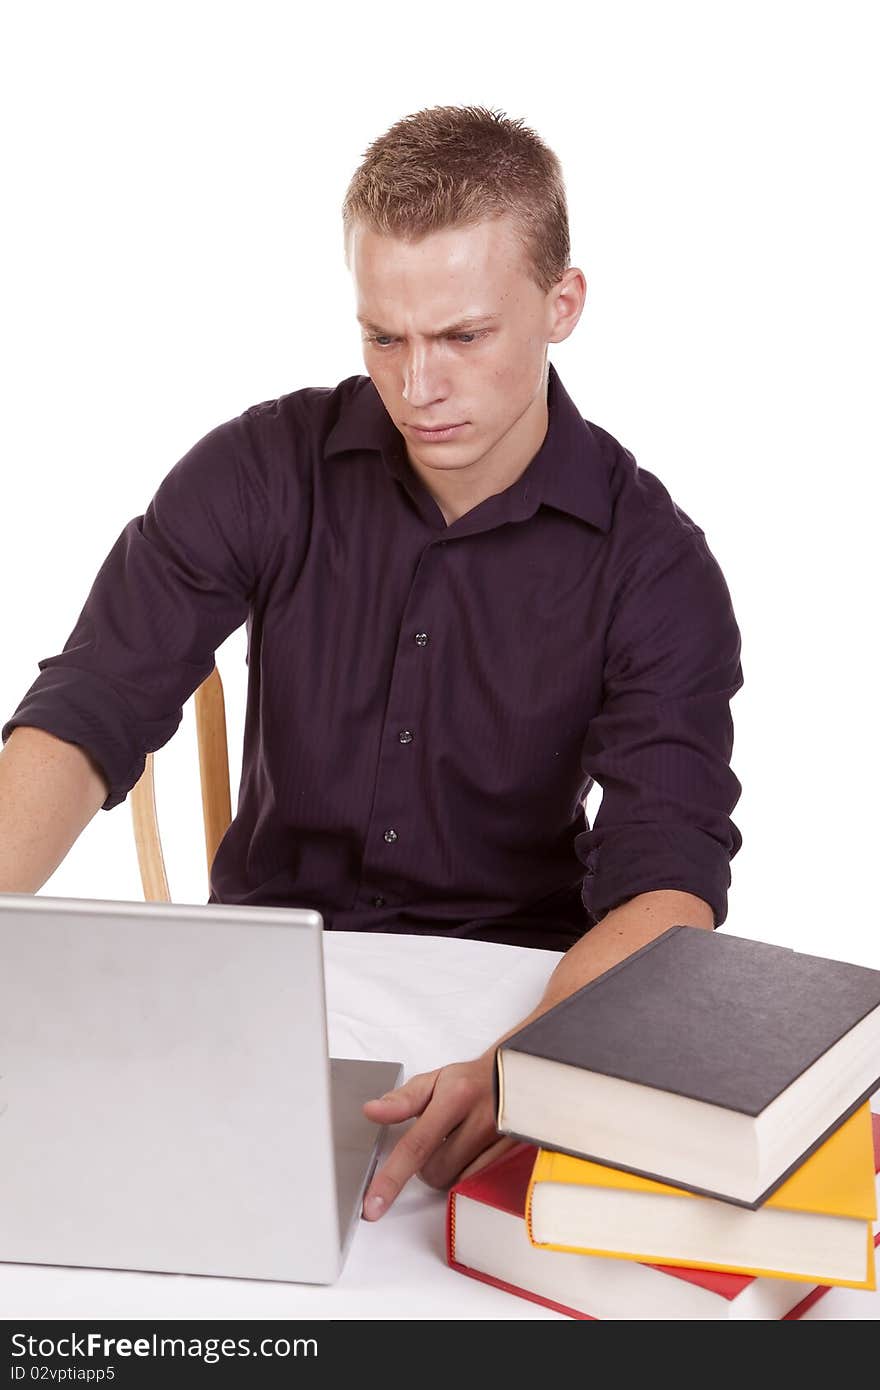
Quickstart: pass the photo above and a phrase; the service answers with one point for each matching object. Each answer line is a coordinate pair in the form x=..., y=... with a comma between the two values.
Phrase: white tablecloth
x=425, y=1001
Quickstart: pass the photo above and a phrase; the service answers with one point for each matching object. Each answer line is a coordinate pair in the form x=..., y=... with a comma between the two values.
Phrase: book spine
x=450, y=1228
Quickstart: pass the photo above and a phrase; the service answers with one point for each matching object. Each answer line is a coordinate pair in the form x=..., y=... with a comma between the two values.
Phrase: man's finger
x=408, y=1100
x=414, y=1149
x=462, y=1147
x=488, y=1156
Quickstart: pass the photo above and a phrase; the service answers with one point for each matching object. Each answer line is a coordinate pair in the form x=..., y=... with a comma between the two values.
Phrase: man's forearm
x=49, y=791
x=617, y=936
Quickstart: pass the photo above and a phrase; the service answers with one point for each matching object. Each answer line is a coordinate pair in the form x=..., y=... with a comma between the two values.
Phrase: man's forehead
x=460, y=257
x=448, y=281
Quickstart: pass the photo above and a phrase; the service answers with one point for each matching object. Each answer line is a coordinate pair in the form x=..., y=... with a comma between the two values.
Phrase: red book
x=487, y=1240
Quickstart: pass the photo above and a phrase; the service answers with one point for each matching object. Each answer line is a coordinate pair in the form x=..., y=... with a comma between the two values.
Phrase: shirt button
x=379, y=902
x=405, y=736
x=391, y=836
x=421, y=639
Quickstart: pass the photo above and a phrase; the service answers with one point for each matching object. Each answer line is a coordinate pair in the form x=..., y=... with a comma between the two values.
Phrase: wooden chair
x=216, y=802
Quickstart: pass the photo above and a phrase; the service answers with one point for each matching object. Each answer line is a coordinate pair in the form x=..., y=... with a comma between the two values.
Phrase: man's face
x=455, y=333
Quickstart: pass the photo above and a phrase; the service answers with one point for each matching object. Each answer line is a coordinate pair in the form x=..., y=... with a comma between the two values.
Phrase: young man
x=464, y=605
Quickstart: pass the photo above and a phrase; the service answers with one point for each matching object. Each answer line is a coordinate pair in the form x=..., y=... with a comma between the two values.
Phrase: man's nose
x=422, y=381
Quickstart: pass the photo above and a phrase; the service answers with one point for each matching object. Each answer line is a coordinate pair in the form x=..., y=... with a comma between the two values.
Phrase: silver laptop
x=167, y=1101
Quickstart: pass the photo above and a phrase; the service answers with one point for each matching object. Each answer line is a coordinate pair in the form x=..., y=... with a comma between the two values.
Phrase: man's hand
x=454, y=1134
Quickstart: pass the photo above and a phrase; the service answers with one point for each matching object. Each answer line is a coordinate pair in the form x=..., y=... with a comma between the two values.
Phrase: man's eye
x=384, y=340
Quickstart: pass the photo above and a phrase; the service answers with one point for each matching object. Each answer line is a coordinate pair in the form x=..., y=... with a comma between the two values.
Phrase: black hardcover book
x=707, y=1061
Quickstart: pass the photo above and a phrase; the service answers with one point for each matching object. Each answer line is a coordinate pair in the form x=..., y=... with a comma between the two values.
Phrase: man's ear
x=566, y=304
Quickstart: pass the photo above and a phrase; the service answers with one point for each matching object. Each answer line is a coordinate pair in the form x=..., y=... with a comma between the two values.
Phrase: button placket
x=387, y=847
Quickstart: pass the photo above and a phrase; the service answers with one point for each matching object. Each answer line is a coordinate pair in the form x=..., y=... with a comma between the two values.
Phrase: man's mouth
x=437, y=432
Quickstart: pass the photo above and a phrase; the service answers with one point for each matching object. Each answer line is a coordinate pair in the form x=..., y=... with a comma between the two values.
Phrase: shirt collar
x=568, y=472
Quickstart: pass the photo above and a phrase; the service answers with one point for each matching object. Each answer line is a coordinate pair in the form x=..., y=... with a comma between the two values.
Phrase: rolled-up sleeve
x=176, y=583
x=661, y=744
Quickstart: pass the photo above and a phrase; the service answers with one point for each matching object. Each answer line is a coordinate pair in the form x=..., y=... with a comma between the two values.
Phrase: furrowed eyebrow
x=465, y=325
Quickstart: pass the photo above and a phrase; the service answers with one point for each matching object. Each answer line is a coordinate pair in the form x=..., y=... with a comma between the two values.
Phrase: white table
x=426, y=1001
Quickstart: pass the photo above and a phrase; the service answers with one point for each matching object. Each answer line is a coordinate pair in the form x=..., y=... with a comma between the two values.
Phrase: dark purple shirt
x=428, y=705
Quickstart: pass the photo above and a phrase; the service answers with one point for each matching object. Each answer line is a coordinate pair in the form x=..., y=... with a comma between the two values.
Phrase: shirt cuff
x=643, y=859
x=84, y=710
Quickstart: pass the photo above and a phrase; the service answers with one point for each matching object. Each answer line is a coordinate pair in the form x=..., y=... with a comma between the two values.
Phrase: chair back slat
x=146, y=837
x=210, y=709
x=213, y=762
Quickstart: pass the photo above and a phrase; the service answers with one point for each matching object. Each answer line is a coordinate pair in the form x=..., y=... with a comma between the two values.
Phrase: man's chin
x=448, y=462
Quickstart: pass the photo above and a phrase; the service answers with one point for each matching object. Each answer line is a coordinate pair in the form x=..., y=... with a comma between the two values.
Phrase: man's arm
x=49, y=791
x=175, y=583
x=455, y=1132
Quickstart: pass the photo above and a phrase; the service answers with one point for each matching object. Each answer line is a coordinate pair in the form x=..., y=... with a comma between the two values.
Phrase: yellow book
x=816, y=1227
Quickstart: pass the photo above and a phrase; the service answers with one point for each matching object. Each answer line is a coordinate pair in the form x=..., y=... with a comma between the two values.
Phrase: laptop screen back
x=165, y=1089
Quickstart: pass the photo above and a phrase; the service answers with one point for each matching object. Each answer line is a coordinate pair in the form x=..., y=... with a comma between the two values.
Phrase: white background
x=172, y=254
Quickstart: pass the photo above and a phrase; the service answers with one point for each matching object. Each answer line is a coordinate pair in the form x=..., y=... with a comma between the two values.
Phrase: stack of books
x=695, y=1138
